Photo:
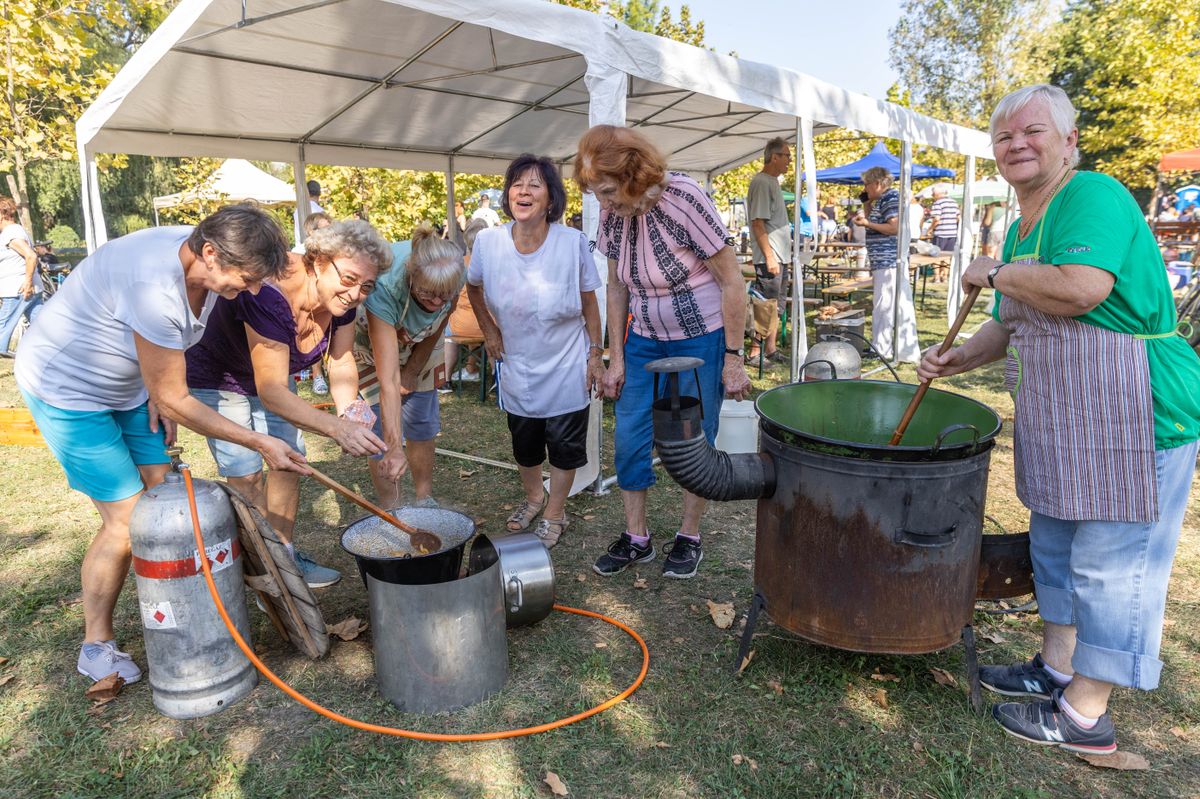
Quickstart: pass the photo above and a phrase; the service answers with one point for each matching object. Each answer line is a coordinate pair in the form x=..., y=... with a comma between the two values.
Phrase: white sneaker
x=98, y=659
x=319, y=386
x=465, y=376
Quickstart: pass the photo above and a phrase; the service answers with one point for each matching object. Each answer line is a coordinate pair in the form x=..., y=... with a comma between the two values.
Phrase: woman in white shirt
x=532, y=285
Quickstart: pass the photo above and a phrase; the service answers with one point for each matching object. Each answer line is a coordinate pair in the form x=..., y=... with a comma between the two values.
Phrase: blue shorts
x=1109, y=579
x=100, y=450
x=420, y=418
x=634, y=436
x=234, y=460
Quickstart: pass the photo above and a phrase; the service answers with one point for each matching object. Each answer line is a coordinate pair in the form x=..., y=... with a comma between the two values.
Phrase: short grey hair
x=877, y=174
x=775, y=145
x=1062, y=111
x=352, y=238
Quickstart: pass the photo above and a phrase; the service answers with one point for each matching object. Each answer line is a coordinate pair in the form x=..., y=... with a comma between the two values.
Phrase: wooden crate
x=17, y=429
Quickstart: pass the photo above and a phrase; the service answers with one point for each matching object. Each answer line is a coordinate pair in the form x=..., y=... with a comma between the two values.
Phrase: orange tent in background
x=1182, y=161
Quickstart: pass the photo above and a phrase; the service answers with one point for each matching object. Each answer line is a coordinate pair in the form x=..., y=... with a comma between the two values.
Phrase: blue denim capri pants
x=234, y=460
x=634, y=436
x=1109, y=579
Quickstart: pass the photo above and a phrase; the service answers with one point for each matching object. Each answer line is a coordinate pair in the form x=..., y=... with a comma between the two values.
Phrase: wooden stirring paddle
x=948, y=342
x=423, y=541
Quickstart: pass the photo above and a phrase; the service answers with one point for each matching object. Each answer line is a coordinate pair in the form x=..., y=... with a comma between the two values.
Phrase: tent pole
x=93, y=213
x=456, y=235
x=608, y=91
x=965, y=242
x=805, y=164
x=298, y=170
x=903, y=242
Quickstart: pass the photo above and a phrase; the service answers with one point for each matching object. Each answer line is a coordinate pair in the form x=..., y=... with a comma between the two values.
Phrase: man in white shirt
x=485, y=212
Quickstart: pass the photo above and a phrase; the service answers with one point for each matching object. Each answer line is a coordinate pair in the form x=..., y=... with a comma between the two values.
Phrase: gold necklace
x=1028, y=225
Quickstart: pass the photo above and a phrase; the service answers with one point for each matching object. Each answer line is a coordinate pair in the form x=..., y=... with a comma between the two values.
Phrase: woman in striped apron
x=1106, y=424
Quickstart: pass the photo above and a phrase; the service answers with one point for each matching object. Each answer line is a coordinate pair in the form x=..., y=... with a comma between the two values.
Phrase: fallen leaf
x=753, y=763
x=694, y=608
x=7, y=678
x=918, y=746
x=662, y=745
x=678, y=640
x=721, y=612
x=994, y=637
x=463, y=474
x=507, y=506
x=880, y=698
x=581, y=578
x=745, y=661
x=601, y=645
x=588, y=517
x=98, y=707
x=348, y=629
x=557, y=786
x=106, y=687
x=738, y=760
x=1120, y=760
x=1179, y=733
x=943, y=677
x=885, y=677
x=775, y=686
x=3, y=661
x=640, y=583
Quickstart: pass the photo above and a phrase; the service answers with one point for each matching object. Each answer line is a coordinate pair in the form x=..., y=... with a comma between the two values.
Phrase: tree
x=1132, y=68
x=958, y=58
x=51, y=72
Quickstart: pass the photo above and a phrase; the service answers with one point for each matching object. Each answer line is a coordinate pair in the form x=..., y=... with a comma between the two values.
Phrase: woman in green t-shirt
x=1107, y=420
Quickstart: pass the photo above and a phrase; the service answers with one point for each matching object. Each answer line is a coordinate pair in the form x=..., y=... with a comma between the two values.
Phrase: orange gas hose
x=414, y=734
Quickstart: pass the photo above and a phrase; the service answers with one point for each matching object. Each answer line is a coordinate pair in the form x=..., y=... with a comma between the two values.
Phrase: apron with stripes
x=1084, y=426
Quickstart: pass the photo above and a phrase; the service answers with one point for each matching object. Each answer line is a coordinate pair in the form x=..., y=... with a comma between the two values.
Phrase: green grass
x=822, y=735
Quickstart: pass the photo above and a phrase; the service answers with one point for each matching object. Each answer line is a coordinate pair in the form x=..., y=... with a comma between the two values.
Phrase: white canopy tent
x=235, y=180
x=460, y=86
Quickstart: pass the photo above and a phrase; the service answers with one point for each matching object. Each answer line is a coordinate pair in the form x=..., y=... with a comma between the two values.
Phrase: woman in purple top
x=673, y=275
x=253, y=344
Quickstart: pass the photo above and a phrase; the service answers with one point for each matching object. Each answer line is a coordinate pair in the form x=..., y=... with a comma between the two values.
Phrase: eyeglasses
x=364, y=287
x=430, y=297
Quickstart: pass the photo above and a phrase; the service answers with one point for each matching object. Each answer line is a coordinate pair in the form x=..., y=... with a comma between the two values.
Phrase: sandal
x=550, y=530
x=524, y=515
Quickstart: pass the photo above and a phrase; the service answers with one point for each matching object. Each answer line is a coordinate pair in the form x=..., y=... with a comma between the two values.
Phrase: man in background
x=485, y=212
x=943, y=219
x=770, y=244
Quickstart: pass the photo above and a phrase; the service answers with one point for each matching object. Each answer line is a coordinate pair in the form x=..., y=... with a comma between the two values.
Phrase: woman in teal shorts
x=102, y=371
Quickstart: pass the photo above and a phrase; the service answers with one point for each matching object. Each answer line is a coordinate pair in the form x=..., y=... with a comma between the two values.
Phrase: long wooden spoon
x=947, y=343
x=423, y=541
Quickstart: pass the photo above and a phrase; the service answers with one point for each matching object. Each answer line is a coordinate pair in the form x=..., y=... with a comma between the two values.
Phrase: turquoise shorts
x=100, y=450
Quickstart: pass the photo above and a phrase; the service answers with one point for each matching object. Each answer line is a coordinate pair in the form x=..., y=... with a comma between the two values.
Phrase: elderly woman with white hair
x=1106, y=423
x=892, y=339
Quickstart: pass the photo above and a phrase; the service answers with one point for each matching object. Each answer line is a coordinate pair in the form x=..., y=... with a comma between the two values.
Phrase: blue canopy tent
x=879, y=156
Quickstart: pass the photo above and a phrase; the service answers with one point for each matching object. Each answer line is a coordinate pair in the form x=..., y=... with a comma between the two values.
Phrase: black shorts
x=564, y=436
x=768, y=285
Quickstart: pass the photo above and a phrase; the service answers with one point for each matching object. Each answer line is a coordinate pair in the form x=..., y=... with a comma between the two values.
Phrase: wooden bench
x=18, y=429
x=1176, y=233
x=847, y=287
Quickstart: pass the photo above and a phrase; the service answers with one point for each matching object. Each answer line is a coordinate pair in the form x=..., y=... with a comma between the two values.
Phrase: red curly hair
x=622, y=155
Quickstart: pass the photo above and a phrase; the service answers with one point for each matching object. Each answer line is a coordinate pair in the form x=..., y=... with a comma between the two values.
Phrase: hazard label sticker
x=158, y=616
x=220, y=556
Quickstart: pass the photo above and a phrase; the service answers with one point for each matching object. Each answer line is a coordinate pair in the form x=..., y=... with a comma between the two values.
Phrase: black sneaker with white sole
x=1047, y=724
x=621, y=554
x=1020, y=679
x=683, y=560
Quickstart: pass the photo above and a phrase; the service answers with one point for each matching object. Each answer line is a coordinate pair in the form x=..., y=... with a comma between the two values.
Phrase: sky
x=846, y=45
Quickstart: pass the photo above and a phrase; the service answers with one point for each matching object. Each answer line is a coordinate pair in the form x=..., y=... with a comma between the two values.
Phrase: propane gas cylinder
x=195, y=666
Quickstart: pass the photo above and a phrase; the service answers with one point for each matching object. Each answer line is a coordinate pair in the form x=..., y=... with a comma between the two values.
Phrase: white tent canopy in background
x=988, y=190
x=235, y=180
x=456, y=86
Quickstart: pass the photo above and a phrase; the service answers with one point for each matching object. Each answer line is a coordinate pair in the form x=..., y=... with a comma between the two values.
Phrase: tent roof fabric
x=410, y=83
x=1183, y=160
x=234, y=181
x=879, y=156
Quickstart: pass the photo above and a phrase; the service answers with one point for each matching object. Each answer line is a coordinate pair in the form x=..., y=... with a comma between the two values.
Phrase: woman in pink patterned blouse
x=674, y=289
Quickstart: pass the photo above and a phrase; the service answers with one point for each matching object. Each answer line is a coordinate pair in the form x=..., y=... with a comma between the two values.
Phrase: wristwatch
x=740, y=351
x=992, y=273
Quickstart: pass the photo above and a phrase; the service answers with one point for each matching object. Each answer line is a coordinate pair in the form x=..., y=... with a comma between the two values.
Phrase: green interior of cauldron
x=866, y=412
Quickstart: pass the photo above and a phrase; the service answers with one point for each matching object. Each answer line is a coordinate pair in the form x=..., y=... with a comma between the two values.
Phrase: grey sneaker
x=1046, y=723
x=427, y=502
x=621, y=553
x=316, y=575
x=98, y=659
x=319, y=385
x=1020, y=679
